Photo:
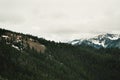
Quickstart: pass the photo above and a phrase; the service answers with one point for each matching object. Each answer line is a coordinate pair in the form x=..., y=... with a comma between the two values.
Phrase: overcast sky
x=61, y=20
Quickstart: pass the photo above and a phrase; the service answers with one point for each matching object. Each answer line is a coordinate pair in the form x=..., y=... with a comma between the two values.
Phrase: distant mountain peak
x=103, y=40
x=108, y=35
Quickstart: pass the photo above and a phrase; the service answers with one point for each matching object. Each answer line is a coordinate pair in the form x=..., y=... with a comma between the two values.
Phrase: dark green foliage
x=60, y=62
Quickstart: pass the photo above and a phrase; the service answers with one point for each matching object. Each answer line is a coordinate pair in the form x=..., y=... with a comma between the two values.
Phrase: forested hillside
x=59, y=61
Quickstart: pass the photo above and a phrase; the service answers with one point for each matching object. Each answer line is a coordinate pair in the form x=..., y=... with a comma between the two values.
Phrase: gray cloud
x=11, y=19
x=61, y=19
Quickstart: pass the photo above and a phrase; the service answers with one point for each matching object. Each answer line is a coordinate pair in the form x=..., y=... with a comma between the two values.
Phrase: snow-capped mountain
x=104, y=40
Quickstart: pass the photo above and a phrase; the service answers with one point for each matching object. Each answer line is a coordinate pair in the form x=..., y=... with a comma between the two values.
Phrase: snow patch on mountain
x=77, y=41
x=114, y=38
x=16, y=47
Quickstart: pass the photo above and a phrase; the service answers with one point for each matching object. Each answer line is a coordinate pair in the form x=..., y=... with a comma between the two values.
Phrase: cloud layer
x=61, y=20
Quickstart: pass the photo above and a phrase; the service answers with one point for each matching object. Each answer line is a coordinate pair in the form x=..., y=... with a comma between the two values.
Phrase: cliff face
x=36, y=46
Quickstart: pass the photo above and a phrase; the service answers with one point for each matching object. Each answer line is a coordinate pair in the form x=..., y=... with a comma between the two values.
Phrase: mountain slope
x=20, y=41
x=104, y=40
x=60, y=61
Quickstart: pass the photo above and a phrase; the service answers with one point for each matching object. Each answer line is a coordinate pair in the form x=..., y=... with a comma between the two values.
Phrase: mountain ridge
x=104, y=40
x=20, y=41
